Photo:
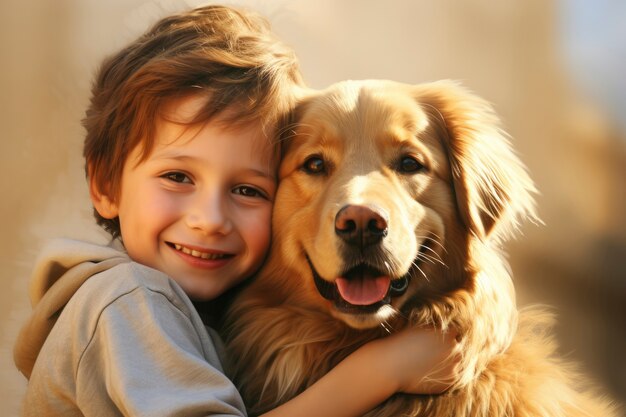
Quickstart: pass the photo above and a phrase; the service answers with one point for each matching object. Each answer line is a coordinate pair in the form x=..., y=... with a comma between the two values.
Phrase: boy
x=181, y=169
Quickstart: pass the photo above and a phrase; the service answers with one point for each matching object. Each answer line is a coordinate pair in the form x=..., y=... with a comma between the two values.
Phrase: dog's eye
x=410, y=165
x=314, y=165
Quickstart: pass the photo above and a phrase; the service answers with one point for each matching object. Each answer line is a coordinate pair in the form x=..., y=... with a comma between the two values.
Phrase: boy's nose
x=209, y=215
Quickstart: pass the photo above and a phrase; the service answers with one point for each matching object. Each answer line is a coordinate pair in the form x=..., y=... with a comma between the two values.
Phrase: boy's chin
x=207, y=290
x=201, y=293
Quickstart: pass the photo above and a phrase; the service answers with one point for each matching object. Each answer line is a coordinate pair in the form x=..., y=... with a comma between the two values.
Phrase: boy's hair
x=228, y=55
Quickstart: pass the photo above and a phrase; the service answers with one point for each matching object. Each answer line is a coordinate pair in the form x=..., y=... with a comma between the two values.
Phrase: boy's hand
x=423, y=360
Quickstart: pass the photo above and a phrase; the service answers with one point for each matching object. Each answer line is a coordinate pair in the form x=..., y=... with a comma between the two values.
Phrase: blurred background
x=552, y=68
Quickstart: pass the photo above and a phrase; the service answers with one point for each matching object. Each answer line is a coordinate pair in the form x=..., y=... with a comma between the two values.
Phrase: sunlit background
x=553, y=69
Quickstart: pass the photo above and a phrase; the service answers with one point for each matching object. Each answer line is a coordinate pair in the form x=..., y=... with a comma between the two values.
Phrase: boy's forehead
x=176, y=127
x=183, y=109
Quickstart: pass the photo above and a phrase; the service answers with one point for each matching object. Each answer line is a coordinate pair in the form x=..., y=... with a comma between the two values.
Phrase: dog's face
x=382, y=188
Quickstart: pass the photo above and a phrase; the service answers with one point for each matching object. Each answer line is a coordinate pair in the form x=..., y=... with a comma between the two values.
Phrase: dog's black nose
x=360, y=226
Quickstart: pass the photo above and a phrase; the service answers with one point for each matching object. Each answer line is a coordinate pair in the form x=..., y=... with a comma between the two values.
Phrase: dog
x=394, y=201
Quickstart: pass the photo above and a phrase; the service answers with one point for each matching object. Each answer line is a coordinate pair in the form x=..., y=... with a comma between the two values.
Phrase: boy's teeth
x=196, y=253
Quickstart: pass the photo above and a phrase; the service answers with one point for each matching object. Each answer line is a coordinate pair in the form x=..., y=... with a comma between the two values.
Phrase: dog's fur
x=441, y=189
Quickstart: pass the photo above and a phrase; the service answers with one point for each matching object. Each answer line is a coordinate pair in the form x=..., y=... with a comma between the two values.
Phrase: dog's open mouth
x=361, y=289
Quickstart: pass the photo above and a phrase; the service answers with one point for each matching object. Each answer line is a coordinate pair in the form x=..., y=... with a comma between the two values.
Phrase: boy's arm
x=145, y=356
x=420, y=361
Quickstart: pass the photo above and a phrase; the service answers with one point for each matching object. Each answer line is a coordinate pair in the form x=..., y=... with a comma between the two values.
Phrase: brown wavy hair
x=229, y=55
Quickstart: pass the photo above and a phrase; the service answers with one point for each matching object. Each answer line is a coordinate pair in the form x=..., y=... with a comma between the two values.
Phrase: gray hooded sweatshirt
x=111, y=337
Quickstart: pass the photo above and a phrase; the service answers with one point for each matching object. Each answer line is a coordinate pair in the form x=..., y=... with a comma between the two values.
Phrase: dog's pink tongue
x=363, y=291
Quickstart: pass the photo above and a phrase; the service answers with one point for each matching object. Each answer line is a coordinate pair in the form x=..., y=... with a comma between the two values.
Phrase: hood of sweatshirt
x=61, y=268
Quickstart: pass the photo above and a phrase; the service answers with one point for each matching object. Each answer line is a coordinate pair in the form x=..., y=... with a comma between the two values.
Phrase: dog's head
x=384, y=187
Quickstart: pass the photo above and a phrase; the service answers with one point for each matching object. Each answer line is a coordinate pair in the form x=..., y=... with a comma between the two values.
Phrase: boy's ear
x=103, y=204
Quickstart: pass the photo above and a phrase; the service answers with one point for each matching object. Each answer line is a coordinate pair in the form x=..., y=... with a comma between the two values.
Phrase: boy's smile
x=199, y=253
x=202, y=258
x=198, y=207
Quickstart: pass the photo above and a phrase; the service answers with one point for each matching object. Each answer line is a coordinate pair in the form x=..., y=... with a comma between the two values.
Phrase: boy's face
x=199, y=207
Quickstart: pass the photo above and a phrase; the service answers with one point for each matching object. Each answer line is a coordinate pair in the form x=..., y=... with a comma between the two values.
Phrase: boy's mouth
x=198, y=254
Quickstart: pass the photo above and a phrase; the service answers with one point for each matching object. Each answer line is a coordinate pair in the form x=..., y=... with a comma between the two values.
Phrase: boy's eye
x=177, y=177
x=248, y=191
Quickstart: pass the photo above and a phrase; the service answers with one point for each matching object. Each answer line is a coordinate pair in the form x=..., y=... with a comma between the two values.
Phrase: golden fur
x=429, y=165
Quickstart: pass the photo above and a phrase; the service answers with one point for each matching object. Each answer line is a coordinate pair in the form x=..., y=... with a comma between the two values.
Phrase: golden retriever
x=392, y=206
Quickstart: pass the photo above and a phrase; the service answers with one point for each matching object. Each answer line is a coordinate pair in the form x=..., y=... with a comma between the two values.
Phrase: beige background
x=509, y=52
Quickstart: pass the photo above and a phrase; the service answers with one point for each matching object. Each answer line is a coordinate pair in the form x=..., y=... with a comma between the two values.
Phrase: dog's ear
x=493, y=189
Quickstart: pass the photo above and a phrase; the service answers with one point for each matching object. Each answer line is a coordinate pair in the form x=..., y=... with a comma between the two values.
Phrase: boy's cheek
x=260, y=229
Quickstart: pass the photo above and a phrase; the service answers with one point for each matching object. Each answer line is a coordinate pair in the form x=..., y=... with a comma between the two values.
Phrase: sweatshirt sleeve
x=146, y=357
